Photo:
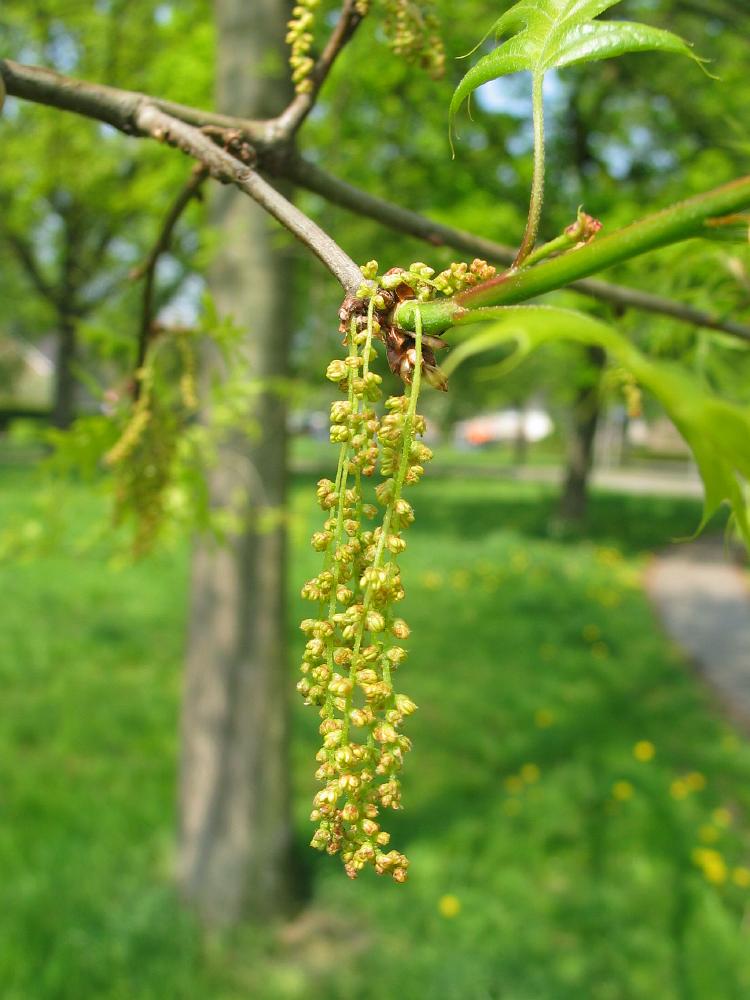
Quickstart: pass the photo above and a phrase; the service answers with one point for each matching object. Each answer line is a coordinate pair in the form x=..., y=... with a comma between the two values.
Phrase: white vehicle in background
x=505, y=426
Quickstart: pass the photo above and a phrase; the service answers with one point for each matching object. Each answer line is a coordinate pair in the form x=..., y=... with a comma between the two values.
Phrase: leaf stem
x=537, y=180
x=682, y=221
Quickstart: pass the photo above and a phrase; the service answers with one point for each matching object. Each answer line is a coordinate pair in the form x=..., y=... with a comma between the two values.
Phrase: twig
x=309, y=176
x=301, y=105
x=110, y=104
x=228, y=169
x=148, y=270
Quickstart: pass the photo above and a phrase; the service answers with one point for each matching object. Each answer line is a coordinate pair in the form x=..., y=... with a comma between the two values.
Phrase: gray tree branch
x=150, y=120
x=110, y=104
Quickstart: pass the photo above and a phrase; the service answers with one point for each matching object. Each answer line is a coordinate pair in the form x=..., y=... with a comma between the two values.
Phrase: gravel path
x=703, y=600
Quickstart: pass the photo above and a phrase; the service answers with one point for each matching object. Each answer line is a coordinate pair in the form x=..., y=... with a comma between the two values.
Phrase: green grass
x=537, y=666
x=311, y=453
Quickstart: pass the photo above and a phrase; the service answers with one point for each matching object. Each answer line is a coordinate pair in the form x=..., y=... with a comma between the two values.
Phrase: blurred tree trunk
x=235, y=821
x=584, y=416
x=584, y=419
x=64, y=401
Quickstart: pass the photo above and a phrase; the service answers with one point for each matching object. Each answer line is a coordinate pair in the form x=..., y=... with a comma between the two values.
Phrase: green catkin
x=410, y=26
x=300, y=37
x=143, y=456
x=354, y=645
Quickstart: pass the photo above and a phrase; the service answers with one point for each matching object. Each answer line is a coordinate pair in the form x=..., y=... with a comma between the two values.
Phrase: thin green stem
x=560, y=243
x=537, y=181
x=342, y=472
x=388, y=516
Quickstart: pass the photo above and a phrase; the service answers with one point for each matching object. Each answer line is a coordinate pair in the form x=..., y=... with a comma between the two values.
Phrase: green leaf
x=717, y=432
x=547, y=34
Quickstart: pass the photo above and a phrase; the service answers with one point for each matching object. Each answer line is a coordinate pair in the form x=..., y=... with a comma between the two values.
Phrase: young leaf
x=718, y=432
x=550, y=34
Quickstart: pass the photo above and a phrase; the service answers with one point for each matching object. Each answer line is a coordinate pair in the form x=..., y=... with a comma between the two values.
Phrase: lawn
x=577, y=812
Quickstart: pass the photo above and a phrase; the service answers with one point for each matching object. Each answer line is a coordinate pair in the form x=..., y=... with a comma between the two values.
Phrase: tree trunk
x=64, y=402
x=235, y=817
x=581, y=433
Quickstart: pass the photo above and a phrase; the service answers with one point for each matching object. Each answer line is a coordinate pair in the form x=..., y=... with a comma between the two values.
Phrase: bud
x=340, y=685
x=400, y=629
x=348, y=782
x=340, y=411
x=342, y=655
x=336, y=371
x=584, y=229
x=375, y=621
x=321, y=540
x=405, y=705
x=385, y=733
x=350, y=813
x=396, y=655
x=360, y=717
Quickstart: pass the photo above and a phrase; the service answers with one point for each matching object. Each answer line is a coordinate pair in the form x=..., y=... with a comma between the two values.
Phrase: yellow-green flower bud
x=336, y=371
x=374, y=621
x=400, y=629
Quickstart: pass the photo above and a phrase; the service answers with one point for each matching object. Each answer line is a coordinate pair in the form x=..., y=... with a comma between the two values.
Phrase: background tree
x=235, y=822
x=74, y=236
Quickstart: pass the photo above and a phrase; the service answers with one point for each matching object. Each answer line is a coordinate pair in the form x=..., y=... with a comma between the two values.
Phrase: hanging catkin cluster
x=354, y=644
x=142, y=457
x=411, y=29
x=413, y=33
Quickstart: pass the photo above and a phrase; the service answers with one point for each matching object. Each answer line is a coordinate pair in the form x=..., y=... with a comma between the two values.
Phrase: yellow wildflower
x=622, y=791
x=449, y=906
x=530, y=773
x=644, y=751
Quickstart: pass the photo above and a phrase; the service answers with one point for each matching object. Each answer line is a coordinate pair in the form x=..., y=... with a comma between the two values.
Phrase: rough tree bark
x=580, y=444
x=235, y=824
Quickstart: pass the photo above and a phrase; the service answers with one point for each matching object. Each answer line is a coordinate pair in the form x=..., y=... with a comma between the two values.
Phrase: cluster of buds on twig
x=419, y=282
x=411, y=28
x=459, y=276
x=354, y=644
